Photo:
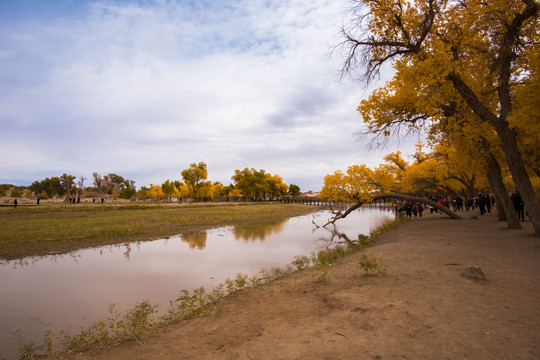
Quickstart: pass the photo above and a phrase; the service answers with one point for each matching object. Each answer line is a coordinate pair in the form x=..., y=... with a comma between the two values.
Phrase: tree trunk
x=501, y=213
x=434, y=204
x=520, y=175
x=509, y=143
x=504, y=203
x=471, y=188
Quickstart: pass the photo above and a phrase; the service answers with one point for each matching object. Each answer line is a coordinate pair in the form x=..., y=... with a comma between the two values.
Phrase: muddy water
x=70, y=291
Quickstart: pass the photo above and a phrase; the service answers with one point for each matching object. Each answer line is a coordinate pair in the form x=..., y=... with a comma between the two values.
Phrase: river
x=72, y=290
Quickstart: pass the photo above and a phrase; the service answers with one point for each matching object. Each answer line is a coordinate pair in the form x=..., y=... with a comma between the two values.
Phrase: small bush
x=301, y=262
x=16, y=192
x=365, y=241
x=240, y=281
x=27, y=350
x=136, y=320
x=277, y=272
x=371, y=264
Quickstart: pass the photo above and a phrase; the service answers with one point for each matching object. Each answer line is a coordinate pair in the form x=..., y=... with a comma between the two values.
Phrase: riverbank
x=56, y=228
x=422, y=308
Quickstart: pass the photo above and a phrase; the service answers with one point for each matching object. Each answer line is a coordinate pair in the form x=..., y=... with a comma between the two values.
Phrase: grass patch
x=61, y=228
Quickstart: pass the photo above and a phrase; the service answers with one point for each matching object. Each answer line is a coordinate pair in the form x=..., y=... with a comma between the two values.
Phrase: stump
x=474, y=272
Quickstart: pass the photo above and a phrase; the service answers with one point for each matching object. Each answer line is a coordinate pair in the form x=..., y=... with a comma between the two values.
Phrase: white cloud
x=145, y=89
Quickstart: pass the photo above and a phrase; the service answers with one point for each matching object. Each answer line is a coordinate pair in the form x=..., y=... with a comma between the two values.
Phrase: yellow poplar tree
x=235, y=192
x=360, y=183
x=276, y=185
x=155, y=192
x=334, y=187
x=194, y=177
x=478, y=49
x=181, y=190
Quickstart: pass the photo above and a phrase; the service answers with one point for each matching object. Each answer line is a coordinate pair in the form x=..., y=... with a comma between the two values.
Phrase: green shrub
x=301, y=262
x=16, y=192
x=365, y=241
x=371, y=264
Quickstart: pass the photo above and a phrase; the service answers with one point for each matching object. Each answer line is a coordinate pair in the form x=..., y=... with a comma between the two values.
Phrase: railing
x=313, y=201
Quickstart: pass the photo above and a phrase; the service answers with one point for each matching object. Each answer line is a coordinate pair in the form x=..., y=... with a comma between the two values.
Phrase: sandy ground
x=421, y=309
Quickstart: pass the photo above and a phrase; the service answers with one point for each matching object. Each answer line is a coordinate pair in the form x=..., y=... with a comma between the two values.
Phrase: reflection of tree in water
x=74, y=255
x=127, y=253
x=337, y=237
x=33, y=260
x=258, y=231
x=195, y=240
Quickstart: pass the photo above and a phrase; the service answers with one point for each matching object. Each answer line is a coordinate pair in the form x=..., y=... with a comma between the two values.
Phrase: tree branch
x=509, y=41
x=398, y=196
x=343, y=215
x=472, y=100
x=404, y=197
x=359, y=50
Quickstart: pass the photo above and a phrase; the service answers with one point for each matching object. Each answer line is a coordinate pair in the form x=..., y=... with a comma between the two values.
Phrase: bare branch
x=343, y=215
x=360, y=51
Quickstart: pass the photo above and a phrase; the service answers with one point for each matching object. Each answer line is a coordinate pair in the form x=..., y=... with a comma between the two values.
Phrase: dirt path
x=421, y=309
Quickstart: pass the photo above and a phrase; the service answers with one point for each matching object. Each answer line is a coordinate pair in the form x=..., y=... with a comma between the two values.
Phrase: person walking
x=481, y=203
x=408, y=210
x=519, y=206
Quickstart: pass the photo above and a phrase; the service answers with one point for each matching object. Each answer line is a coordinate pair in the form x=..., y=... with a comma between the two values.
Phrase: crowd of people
x=484, y=203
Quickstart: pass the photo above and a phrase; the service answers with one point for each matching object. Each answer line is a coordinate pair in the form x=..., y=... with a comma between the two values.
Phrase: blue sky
x=144, y=88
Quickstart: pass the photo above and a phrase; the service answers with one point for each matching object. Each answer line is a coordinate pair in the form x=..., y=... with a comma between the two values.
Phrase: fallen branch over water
x=339, y=215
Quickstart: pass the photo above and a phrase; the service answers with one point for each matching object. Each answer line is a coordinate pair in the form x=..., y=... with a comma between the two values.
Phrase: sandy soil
x=421, y=309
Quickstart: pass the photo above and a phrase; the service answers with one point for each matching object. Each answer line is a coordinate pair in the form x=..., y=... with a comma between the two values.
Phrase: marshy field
x=53, y=228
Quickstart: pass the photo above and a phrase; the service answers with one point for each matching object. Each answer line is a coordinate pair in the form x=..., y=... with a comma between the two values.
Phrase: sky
x=144, y=88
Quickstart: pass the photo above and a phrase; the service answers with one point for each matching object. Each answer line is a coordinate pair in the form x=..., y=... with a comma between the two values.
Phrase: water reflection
x=74, y=256
x=195, y=240
x=259, y=231
x=339, y=235
x=71, y=290
x=33, y=260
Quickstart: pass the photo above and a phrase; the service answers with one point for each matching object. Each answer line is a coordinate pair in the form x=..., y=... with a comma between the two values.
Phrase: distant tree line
x=71, y=187
x=113, y=184
x=248, y=183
